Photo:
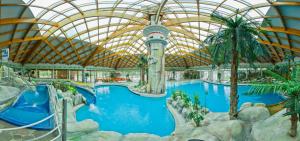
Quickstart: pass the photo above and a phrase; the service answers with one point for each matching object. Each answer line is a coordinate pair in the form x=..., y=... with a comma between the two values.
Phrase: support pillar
x=52, y=74
x=36, y=73
x=219, y=74
x=69, y=75
x=156, y=42
x=90, y=76
x=77, y=73
x=210, y=75
x=83, y=75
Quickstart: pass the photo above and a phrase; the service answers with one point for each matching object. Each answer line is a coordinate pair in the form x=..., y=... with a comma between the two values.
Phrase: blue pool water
x=217, y=97
x=90, y=98
x=118, y=109
x=30, y=107
x=122, y=111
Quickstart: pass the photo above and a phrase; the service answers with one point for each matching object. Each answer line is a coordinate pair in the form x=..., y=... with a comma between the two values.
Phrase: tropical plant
x=142, y=64
x=113, y=75
x=128, y=78
x=29, y=74
x=219, y=76
x=173, y=75
x=60, y=85
x=238, y=40
x=72, y=89
x=186, y=100
x=284, y=69
x=195, y=114
x=177, y=93
x=196, y=117
x=191, y=75
x=174, y=95
x=288, y=88
x=64, y=87
x=196, y=104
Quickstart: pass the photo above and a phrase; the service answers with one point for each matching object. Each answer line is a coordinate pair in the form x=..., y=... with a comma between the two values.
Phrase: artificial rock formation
x=156, y=42
x=274, y=128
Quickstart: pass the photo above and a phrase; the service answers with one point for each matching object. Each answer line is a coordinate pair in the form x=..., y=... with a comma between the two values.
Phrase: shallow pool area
x=118, y=109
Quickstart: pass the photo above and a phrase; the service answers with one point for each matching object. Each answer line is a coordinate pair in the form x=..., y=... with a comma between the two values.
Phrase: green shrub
x=64, y=87
x=196, y=117
x=183, y=96
x=175, y=94
x=72, y=89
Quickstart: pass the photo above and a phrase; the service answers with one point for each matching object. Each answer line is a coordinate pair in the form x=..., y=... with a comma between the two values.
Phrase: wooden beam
x=30, y=51
x=196, y=56
x=279, y=45
x=6, y=43
x=287, y=3
x=291, y=31
x=55, y=50
x=177, y=21
x=115, y=34
x=20, y=21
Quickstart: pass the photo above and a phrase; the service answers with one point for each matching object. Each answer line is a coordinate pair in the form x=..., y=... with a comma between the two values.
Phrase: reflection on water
x=124, y=112
x=93, y=108
x=205, y=87
x=215, y=88
x=103, y=90
x=34, y=105
x=132, y=113
x=227, y=93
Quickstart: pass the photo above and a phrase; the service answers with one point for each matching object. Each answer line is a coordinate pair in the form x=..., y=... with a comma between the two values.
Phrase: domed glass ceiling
x=109, y=32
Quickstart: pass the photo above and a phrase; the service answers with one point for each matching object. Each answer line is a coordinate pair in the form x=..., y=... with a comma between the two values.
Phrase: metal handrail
x=55, y=115
x=28, y=125
x=53, y=99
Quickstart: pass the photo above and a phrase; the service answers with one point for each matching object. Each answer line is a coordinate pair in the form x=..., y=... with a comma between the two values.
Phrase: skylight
x=112, y=17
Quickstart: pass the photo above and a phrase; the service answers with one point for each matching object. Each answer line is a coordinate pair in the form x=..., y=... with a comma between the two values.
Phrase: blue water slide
x=90, y=96
x=32, y=106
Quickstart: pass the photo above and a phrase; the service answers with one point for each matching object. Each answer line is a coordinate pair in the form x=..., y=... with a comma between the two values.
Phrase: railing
x=53, y=101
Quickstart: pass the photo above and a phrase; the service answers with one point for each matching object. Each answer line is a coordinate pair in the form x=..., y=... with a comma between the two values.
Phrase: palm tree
x=29, y=74
x=142, y=64
x=289, y=57
x=288, y=88
x=238, y=40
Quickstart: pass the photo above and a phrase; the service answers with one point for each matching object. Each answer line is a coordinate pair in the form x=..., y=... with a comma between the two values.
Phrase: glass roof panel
x=63, y=7
x=44, y=3
x=71, y=12
x=80, y=2
x=122, y=21
x=88, y=7
x=235, y=4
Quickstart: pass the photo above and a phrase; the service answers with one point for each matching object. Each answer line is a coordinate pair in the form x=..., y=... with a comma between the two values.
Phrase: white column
x=156, y=42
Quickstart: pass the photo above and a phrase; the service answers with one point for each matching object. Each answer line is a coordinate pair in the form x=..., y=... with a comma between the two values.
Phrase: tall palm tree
x=238, y=40
x=142, y=64
x=288, y=88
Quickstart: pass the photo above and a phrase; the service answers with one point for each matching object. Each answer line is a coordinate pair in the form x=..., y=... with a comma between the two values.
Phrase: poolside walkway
x=22, y=134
